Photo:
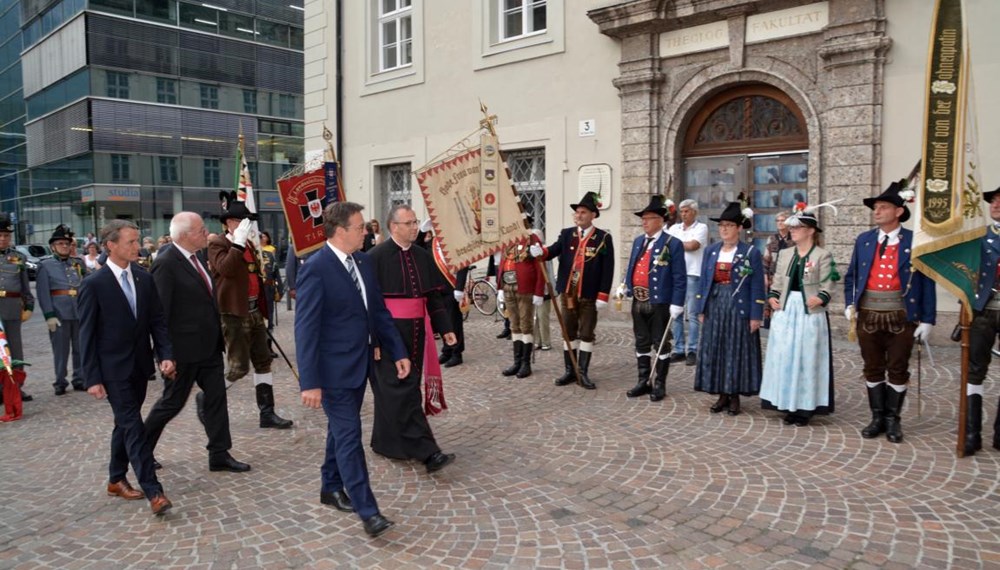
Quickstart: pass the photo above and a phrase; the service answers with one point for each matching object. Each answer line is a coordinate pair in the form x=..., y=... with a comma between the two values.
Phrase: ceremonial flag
x=5, y=352
x=949, y=217
x=334, y=189
x=303, y=198
x=472, y=203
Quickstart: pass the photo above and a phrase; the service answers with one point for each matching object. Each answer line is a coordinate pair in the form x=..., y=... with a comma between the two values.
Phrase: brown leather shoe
x=160, y=504
x=124, y=490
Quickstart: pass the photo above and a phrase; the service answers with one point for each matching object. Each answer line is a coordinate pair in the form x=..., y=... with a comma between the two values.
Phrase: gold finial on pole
x=488, y=120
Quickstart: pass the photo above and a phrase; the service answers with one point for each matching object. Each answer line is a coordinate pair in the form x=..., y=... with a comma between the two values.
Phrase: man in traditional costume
x=656, y=278
x=985, y=328
x=415, y=295
x=586, y=269
x=894, y=305
x=239, y=289
x=522, y=288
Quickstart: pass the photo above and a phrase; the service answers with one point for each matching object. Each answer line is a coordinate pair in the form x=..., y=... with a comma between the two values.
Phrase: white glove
x=459, y=296
x=500, y=297
x=923, y=332
x=242, y=232
x=600, y=304
x=849, y=312
x=536, y=250
x=676, y=311
x=537, y=300
x=53, y=323
x=426, y=225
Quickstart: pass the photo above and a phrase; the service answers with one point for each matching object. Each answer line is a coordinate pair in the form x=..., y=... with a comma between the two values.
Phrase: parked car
x=35, y=252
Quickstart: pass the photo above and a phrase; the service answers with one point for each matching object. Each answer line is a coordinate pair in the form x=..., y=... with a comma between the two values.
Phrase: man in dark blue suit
x=985, y=328
x=340, y=319
x=896, y=306
x=119, y=312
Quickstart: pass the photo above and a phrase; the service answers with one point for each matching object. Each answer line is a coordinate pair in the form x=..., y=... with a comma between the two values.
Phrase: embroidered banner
x=303, y=198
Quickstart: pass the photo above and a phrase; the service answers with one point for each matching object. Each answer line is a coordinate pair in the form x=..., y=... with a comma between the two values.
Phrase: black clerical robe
x=400, y=428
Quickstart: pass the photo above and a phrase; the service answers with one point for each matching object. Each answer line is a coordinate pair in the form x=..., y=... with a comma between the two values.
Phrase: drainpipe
x=339, y=84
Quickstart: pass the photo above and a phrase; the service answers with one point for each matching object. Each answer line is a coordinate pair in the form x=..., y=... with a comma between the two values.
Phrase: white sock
x=586, y=347
x=973, y=389
x=266, y=378
x=874, y=384
x=898, y=388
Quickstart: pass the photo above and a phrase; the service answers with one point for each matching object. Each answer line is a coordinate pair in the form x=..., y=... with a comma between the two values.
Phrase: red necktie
x=208, y=284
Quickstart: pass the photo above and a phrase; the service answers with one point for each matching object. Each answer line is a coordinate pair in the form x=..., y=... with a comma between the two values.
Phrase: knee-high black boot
x=525, y=370
x=893, y=409
x=265, y=401
x=974, y=424
x=569, y=375
x=996, y=428
x=642, y=386
x=876, y=401
x=513, y=368
x=660, y=382
x=584, y=362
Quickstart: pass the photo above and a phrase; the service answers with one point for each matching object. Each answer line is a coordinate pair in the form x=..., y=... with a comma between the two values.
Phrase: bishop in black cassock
x=407, y=274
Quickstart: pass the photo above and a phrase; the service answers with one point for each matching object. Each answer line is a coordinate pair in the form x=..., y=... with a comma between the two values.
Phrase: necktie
x=208, y=284
x=645, y=244
x=127, y=289
x=353, y=272
x=883, y=245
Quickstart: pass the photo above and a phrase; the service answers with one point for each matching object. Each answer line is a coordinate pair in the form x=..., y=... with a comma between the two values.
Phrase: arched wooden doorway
x=751, y=139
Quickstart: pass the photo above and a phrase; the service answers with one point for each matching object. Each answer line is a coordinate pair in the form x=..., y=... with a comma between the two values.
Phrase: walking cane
x=659, y=349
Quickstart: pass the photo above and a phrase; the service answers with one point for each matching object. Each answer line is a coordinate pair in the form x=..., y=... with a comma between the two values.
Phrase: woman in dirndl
x=730, y=305
x=798, y=370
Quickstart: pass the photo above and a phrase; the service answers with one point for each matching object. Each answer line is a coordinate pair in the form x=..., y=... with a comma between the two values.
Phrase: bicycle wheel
x=484, y=297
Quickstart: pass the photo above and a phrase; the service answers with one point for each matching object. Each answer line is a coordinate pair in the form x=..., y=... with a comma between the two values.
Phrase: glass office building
x=132, y=108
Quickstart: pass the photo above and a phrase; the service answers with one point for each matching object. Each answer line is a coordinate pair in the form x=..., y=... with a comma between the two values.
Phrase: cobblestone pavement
x=546, y=477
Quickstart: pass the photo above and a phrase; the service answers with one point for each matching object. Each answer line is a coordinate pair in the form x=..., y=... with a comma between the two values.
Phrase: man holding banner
x=985, y=329
x=895, y=305
x=586, y=269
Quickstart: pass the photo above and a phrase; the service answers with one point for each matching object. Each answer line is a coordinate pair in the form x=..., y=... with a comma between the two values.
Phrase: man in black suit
x=119, y=312
x=192, y=316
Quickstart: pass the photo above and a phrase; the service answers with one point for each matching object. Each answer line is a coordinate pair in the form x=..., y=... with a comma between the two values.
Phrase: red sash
x=434, y=402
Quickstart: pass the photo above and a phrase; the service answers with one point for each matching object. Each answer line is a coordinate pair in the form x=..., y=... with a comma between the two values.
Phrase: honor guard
x=522, y=289
x=985, y=328
x=240, y=293
x=656, y=279
x=57, y=282
x=894, y=305
x=586, y=267
x=16, y=300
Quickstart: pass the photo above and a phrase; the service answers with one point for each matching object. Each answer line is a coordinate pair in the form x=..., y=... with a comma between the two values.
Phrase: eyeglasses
x=410, y=223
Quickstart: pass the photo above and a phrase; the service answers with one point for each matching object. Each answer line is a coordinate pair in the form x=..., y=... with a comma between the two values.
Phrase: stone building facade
x=822, y=61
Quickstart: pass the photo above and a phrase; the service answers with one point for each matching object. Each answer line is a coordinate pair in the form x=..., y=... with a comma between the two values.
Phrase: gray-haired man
x=694, y=235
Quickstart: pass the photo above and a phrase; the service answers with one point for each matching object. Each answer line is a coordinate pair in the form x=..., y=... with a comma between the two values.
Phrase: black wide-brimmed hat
x=589, y=202
x=656, y=205
x=5, y=223
x=892, y=196
x=987, y=196
x=807, y=219
x=232, y=209
x=62, y=232
x=733, y=213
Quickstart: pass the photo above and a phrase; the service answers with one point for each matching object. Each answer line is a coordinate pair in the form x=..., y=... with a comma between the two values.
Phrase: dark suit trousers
x=344, y=466
x=209, y=375
x=128, y=439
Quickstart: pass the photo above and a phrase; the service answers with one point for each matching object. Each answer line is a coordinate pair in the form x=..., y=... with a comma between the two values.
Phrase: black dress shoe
x=691, y=359
x=79, y=388
x=60, y=390
x=338, y=499
x=444, y=357
x=455, y=360
x=504, y=334
x=377, y=524
x=437, y=461
x=156, y=465
x=25, y=397
x=677, y=357
x=227, y=463
x=720, y=404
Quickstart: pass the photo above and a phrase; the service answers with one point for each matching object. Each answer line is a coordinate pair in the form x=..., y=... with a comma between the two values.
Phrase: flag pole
x=487, y=123
x=963, y=400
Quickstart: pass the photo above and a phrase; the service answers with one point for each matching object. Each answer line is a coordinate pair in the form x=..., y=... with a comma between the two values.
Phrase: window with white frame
x=527, y=170
x=394, y=183
x=395, y=34
x=519, y=18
